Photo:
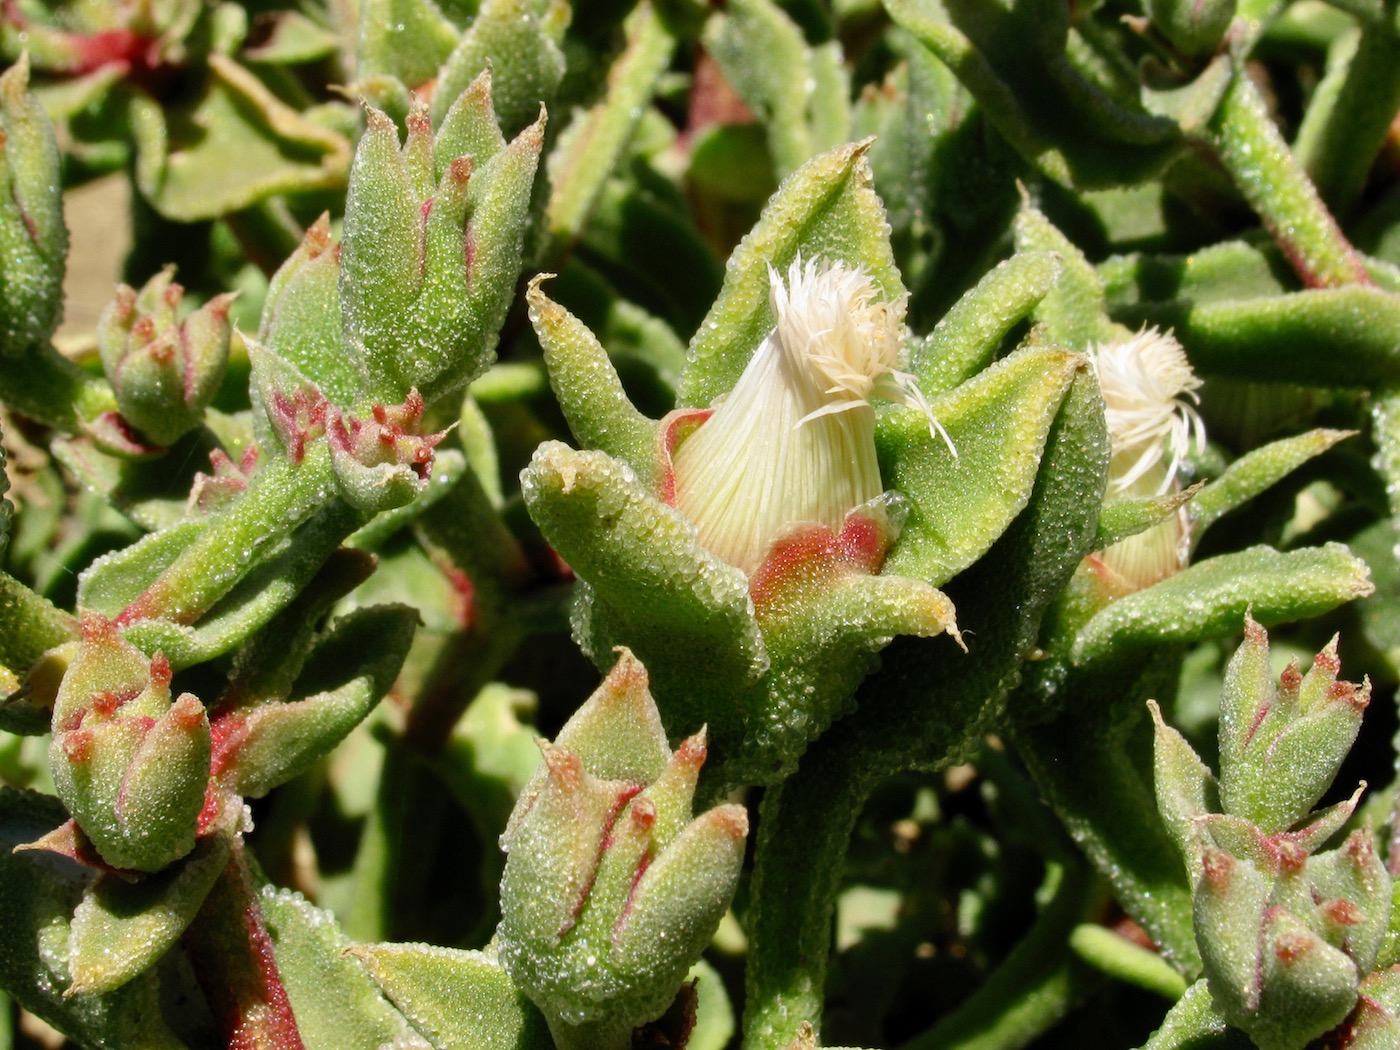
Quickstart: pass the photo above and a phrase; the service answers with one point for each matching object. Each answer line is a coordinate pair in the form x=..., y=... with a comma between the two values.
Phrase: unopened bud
x=164, y=371
x=131, y=767
x=611, y=889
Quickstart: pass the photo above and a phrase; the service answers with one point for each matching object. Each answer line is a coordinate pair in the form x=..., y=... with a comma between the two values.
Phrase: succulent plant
x=888, y=399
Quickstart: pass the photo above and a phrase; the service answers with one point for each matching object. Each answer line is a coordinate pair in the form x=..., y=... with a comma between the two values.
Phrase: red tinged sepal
x=612, y=888
x=131, y=765
x=382, y=460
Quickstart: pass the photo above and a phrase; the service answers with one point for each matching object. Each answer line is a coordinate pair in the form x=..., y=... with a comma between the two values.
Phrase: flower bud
x=1285, y=935
x=432, y=248
x=301, y=315
x=1144, y=381
x=33, y=239
x=794, y=442
x=382, y=462
x=164, y=372
x=1281, y=746
x=131, y=767
x=289, y=411
x=611, y=889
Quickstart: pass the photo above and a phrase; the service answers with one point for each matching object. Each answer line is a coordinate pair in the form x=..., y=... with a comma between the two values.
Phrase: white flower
x=1144, y=380
x=1151, y=426
x=794, y=442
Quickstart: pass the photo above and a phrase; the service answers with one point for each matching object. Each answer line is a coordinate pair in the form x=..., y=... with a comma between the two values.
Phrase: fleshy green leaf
x=1339, y=337
x=998, y=423
x=351, y=668
x=781, y=79
x=1209, y=599
x=236, y=144
x=458, y=1000
x=38, y=892
x=1017, y=62
x=336, y=1005
x=591, y=147
x=969, y=335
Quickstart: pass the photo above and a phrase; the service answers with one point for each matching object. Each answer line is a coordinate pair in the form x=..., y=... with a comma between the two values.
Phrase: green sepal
x=428, y=265
x=469, y=127
x=822, y=637
x=457, y=1000
x=1353, y=873
x=1131, y=516
x=407, y=39
x=1376, y=1023
x=685, y=613
x=38, y=893
x=1186, y=791
x=553, y=844
x=679, y=901
x=1230, y=901
x=381, y=257
x=966, y=340
x=1307, y=987
x=617, y=731
x=301, y=316
x=33, y=238
x=264, y=744
x=531, y=32
x=1281, y=748
x=1074, y=312
x=121, y=928
x=826, y=209
x=998, y=422
x=336, y=1005
x=582, y=376
x=1209, y=599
